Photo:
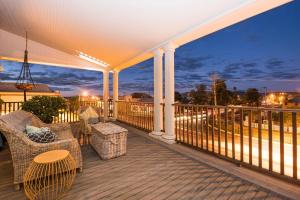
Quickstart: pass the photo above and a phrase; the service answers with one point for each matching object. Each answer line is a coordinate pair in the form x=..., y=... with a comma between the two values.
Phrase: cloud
x=136, y=87
x=64, y=89
x=233, y=68
x=4, y=76
x=274, y=63
x=250, y=65
x=190, y=63
x=285, y=74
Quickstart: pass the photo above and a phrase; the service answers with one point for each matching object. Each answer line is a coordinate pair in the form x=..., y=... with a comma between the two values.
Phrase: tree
x=139, y=95
x=199, y=96
x=252, y=97
x=45, y=107
x=235, y=97
x=73, y=103
x=178, y=96
x=223, y=95
x=181, y=97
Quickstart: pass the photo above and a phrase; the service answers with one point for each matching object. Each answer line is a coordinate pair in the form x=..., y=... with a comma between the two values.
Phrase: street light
x=85, y=93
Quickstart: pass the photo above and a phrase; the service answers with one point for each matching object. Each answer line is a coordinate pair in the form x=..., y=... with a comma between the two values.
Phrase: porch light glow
x=92, y=59
x=85, y=93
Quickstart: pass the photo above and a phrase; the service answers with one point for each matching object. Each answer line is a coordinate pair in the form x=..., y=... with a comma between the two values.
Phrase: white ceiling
x=121, y=32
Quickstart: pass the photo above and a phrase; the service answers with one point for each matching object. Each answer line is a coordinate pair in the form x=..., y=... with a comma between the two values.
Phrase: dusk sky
x=263, y=51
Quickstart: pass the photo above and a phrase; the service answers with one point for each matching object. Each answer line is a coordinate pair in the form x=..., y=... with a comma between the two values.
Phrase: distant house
x=137, y=97
x=9, y=92
x=294, y=102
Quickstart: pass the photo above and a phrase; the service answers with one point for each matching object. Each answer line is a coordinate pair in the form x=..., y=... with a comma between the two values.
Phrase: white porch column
x=116, y=92
x=169, y=135
x=105, y=93
x=158, y=93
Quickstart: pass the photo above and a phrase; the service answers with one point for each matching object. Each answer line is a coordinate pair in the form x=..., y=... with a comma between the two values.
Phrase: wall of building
x=19, y=96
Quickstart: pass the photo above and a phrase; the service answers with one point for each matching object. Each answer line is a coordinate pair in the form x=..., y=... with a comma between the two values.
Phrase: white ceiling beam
x=121, y=33
x=221, y=21
x=12, y=48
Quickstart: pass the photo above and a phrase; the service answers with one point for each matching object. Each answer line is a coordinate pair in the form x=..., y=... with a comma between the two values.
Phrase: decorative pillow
x=40, y=135
x=90, y=115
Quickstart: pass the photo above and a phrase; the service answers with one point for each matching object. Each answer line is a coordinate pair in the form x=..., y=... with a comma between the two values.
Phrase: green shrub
x=45, y=107
x=73, y=103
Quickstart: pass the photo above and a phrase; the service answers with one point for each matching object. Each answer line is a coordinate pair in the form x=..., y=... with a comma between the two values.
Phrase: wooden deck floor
x=148, y=171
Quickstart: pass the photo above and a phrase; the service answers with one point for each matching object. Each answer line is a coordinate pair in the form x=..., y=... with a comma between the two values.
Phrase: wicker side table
x=50, y=175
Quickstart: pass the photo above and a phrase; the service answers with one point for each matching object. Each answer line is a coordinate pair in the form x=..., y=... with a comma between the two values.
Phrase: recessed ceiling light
x=92, y=59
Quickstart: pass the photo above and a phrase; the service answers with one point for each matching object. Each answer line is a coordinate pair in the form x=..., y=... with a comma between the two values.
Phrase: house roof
x=120, y=33
x=10, y=87
x=294, y=100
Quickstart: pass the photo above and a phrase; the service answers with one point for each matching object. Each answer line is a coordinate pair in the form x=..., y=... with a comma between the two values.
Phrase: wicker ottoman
x=109, y=140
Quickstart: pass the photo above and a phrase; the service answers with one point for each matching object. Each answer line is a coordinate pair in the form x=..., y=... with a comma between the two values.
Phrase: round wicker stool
x=50, y=175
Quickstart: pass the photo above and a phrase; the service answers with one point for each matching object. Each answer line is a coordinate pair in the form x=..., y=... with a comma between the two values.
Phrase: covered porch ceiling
x=118, y=32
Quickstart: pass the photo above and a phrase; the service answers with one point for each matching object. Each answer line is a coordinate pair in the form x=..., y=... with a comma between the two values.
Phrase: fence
x=71, y=114
x=68, y=115
x=8, y=107
x=137, y=114
x=244, y=135
x=220, y=130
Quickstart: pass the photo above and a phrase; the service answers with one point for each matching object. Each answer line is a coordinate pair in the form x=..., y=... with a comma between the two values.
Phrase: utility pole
x=214, y=78
x=265, y=90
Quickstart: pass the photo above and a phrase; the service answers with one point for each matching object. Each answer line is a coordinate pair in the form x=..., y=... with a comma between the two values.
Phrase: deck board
x=148, y=171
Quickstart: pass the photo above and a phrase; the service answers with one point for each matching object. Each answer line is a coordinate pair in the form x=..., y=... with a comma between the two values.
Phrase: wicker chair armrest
x=59, y=127
x=57, y=144
x=25, y=157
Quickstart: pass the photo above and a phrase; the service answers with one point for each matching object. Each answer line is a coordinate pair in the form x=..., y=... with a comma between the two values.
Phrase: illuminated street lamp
x=85, y=94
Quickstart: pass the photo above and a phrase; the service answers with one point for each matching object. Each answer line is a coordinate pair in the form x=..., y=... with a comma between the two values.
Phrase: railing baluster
x=294, y=125
x=259, y=139
x=219, y=131
x=250, y=136
x=180, y=136
x=176, y=122
x=207, y=128
x=197, y=136
x=232, y=134
x=226, y=132
x=241, y=135
x=187, y=124
x=183, y=125
x=202, y=128
x=213, y=130
x=145, y=118
x=270, y=140
x=281, y=143
x=192, y=124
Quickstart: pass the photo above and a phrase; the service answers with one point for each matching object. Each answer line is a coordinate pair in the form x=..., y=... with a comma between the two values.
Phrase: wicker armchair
x=85, y=127
x=23, y=150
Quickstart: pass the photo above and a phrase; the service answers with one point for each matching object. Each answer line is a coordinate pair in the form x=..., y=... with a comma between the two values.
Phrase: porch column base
x=113, y=119
x=169, y=139
x=156, y=134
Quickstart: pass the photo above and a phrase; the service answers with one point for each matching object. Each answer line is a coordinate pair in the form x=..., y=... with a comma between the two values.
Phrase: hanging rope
x=25, y=81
